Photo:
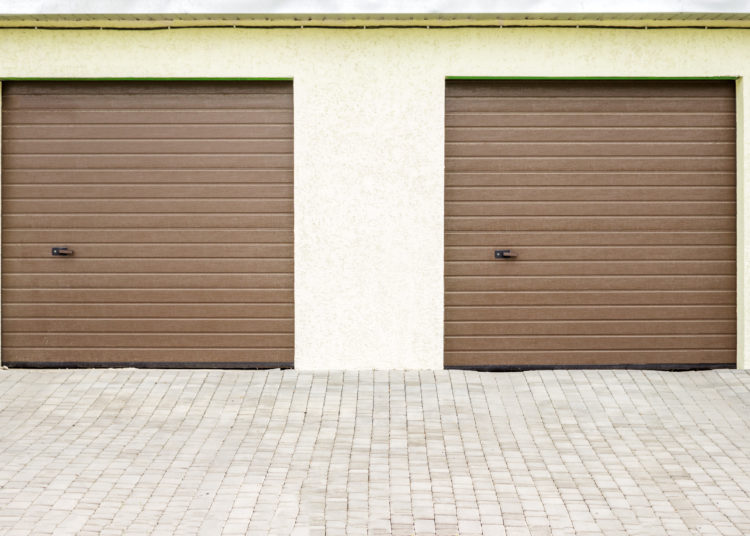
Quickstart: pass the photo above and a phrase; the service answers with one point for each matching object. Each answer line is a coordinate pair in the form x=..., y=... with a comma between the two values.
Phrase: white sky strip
x=52, y=7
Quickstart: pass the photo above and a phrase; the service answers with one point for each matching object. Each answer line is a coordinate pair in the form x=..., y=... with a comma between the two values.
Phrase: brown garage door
x=176, y=198
x=619, y=200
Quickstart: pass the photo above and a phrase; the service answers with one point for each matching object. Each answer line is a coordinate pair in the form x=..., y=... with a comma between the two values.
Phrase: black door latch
x=62, y=252
x=505, y=254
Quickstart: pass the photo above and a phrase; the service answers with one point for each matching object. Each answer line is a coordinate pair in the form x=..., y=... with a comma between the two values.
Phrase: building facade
x=347, y=193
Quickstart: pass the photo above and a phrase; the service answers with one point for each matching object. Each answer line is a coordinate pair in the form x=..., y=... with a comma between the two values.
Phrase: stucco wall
x=369, y=147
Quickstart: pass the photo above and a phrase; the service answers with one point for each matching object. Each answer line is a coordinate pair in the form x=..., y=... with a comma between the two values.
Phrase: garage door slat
x=654, y=297
x=148, y=117
x=256, y=205
x=589, y=149
x=527, y=179
x=580, y=120
x=149, y=310
x=145, y=281
x=594, y=253
x=152, y=295
x=590, y=327
x=584, y=238
x=135, y=101
x=588, y=105
x=150, y=325
x=630, y=267
x=150, y=176
x=581, y=163
x=574, y=358
x=151, y=192
x=136, y=161
x=522, y=134
x=90, y=251
x=576, y=283
x=148, y=146
x=609, y=89
x=588, y=208
x=590, y=342
x=147, y=236
x=151, y=357
x=509, y=194
x=209, y=341
x=204, y=132
x=588, y=312
x=138, y=265
x=194, y=220
x=590, y=223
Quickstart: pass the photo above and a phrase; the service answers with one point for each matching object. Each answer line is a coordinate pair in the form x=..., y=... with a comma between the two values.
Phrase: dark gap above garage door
x=618, y=198
x=176, y=198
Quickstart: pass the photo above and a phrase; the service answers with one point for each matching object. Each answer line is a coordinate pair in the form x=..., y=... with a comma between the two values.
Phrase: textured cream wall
x=369, y=147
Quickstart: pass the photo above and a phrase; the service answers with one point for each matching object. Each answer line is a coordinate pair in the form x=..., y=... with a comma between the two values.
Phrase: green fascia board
x=592, y=77
x=136, y=79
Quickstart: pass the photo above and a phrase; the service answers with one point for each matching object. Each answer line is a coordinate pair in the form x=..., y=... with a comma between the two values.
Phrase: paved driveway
x=239, y=452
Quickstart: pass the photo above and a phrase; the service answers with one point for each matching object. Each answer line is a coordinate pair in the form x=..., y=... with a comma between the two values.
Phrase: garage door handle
x=505, y=254
x=62, y=252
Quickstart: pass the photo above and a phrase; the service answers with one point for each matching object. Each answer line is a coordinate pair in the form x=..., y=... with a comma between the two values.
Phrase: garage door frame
x=207, y=365
x=739, y=221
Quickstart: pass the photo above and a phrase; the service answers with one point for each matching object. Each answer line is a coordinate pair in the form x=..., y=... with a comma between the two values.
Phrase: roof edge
x=168, y=21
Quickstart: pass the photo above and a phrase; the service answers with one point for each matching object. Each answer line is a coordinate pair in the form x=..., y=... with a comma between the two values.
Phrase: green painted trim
x=166, y=79
x=592, y=77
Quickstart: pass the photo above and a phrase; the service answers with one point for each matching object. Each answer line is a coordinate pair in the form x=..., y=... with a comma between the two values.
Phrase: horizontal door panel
x=583, y=164
x=135, y=162
x=559, y=179
x=157, y=236
x=588, y=149
x=619, y=312
x=577, y=208
x=148, y=310
x=143, y=205
x=510, y=267
x=588, y=134
x=83, y=193
x=99, y=147
x=568, y=358
x=131, y=221
x=630, y=297
x=191, y=251
x=589, y=88
x=149, y=295
x=493, y=240
x=138, y=281
x=173, y=357
x=165, y=131
x=580, y=120
x=149, y=117
x=576, y=283
x=599, y=342
x=587, y=105
x=146, y=340
x=217, y=89
x=591, y=327
x=200, y=175
x=634, y=254
x=590, y=223
x=188, y=265
x=150, y=325
x=157, y=102
x=588, y=194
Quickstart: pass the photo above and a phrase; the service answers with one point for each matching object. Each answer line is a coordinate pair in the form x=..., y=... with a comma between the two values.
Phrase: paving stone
x=379, y=452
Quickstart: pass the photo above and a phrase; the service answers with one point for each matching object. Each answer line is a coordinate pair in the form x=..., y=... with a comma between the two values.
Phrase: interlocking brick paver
x=374, y=452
